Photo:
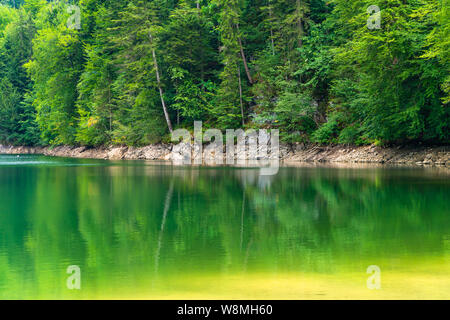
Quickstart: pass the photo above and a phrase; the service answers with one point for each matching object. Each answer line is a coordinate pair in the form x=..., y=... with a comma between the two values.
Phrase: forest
x=99, y=72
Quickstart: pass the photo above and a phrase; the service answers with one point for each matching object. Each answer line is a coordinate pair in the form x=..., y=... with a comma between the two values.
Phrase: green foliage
x=189, y=46
x=55, y=70
x=295, y=111
x=17, y=116
x=396, y=95
x=97, y=100
x=350, y=135
x=311, y=68
x=328, y=131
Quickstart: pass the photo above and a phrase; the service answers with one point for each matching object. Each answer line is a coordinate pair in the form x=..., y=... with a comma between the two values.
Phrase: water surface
x=142, y=230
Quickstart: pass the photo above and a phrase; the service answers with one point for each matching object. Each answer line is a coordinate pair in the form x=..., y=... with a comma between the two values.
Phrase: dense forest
x=128, y=72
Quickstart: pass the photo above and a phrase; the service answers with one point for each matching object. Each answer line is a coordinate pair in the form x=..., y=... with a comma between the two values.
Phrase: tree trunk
x=240, y=95
x=247, y=71
x=158, y=79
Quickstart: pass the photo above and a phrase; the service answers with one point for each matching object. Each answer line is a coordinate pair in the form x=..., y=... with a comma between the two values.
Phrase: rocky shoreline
x=417, y=155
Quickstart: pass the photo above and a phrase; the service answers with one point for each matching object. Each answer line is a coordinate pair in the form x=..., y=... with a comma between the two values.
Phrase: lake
x=149, y=230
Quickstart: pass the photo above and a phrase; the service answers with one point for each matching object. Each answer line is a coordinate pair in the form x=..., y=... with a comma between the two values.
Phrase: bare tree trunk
x=247, y=71
x=161, y=94
x=198, y=4
x=240, y=95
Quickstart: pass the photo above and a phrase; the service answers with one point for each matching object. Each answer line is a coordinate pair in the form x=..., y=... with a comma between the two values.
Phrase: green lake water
x=146, y=230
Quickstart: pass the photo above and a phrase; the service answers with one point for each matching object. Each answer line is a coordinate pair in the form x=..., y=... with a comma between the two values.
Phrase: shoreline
x=417, y=155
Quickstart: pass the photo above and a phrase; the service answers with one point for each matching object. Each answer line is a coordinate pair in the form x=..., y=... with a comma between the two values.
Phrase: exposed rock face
x=181, y=152
x=371, y=154
x=288, y=153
